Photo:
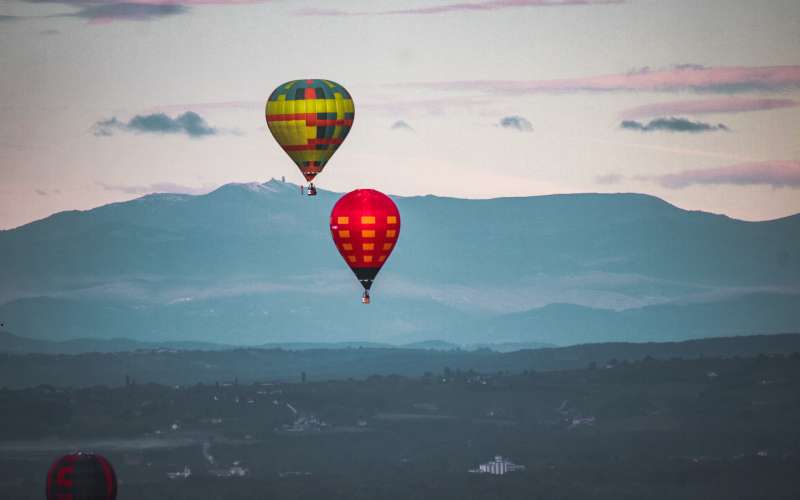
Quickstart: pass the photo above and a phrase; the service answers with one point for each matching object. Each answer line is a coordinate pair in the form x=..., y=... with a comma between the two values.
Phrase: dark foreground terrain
x=721, y=427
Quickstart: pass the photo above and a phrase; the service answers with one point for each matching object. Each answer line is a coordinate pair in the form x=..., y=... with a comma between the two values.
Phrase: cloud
x=158, y=187
x=50, y=32
x=724, y=80
x=41, y=192
x=85, y=3
x=690, y=66
x=482, y=6
x=516, y=123
x=609, y=179
x=672, y=124
x=401, y=125
x=189, y=123
x=708, y=106
x=9, y=19
x=129, y=12
x=103, y=11
x=777, y=174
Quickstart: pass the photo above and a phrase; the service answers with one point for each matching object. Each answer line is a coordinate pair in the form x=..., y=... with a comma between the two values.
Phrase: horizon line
x=140, y=196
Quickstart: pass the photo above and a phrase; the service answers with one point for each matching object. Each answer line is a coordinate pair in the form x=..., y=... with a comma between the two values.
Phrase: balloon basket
x=365, y=298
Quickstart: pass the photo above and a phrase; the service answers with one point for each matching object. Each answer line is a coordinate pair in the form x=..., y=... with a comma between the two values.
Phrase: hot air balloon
x=365, y=225
x=310, y=119
x=81, y=476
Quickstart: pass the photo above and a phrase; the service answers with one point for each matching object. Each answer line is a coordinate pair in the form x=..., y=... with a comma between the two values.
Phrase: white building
x=498, y=466
x=577, y=421
x=306, y=423
x=235, y=471
x=180, y=475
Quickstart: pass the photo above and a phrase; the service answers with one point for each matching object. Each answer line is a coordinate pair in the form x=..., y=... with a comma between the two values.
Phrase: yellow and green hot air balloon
x=310, y=119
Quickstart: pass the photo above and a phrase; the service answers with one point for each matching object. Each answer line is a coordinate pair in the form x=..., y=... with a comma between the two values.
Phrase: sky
x=696, y=102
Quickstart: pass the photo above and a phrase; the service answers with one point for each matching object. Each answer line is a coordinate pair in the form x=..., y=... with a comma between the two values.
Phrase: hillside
x=171, y=367
x=253, y=263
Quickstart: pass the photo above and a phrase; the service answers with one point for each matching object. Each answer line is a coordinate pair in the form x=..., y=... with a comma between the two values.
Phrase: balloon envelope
x=365, y=225
x=310, y=119
x=81, y=476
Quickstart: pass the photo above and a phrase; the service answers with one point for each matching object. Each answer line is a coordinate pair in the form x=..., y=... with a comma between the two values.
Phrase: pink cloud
x=707, y=106
x=82, y=3
x=497, y=5
x=777, y=174
x=682, y=78
x=192, y=2
x=461, y=6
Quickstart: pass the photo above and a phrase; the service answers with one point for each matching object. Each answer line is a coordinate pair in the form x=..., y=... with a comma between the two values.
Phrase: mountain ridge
x=255, y=262
x=294, y=190
x=15, y=344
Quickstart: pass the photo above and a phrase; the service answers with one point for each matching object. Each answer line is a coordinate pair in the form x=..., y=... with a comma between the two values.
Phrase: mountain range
x=253, y=264
x=14, y=344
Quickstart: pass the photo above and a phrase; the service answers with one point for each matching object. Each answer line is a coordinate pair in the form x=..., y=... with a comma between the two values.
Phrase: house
x=236, y=470
x=499, y=466
x=180, y=475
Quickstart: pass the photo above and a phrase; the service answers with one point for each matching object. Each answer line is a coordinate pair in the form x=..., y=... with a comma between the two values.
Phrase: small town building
x=499, y=466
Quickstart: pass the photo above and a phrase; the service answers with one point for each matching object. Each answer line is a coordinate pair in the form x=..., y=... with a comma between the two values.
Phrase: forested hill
x=167, y=366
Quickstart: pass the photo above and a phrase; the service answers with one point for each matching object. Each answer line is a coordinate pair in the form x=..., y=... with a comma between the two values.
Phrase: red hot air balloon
x=365, y=225
x=81, y=476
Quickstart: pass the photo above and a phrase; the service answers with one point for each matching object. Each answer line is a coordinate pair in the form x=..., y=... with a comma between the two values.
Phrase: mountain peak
x=276, y=184
x=272, y=186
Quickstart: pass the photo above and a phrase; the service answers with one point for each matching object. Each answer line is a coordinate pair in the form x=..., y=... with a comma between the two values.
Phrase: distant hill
x=567, y=324
x=249, y=365
x=254, y=264
x=436, y=345
x=10, y=343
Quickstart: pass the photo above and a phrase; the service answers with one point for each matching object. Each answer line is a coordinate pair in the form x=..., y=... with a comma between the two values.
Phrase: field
x=700, y=428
